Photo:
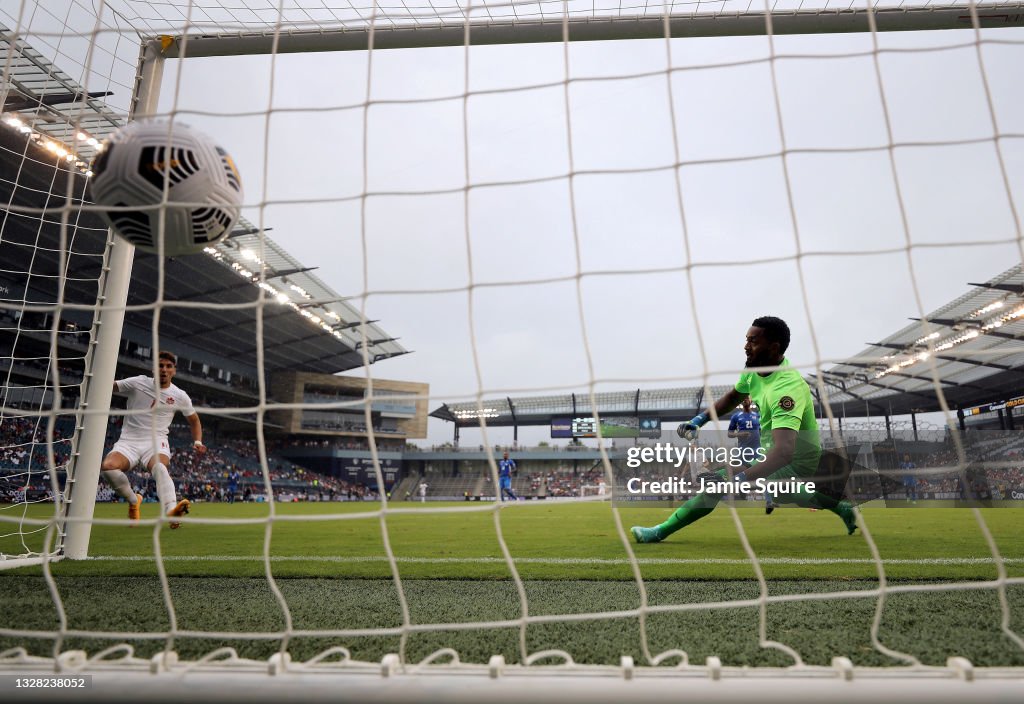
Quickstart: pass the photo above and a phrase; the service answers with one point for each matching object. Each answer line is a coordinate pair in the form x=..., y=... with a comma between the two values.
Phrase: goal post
x=101, y=363
x=420, y=32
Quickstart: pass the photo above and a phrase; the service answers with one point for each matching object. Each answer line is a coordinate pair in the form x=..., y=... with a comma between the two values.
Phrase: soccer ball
x=140, y=161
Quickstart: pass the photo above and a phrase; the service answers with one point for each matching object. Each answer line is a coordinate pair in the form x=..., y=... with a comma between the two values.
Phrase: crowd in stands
x=567, y=483
x=555, y=483
x=996, y=467
x=207, y=477
x=992, y=483
x=515, y=447
x=24, y=474
x=342, y=444
x=878, y=431
x=346, y=426
x=23, y=443
x=23, y=456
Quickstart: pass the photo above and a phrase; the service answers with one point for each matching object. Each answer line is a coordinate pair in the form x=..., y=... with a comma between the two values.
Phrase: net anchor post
x=163, y=662
x=496, y=666
x=73, y=660
x=963, y=668
x=844, y=667
x=389, y=664
x=277, y=664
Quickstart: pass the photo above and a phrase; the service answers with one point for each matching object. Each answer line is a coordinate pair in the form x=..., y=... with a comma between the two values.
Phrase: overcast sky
x=638, y=324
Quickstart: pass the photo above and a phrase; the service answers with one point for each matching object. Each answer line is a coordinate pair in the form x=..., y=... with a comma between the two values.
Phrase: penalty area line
x=563, y=560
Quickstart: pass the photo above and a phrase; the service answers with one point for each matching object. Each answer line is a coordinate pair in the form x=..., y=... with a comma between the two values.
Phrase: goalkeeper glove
x=689, y=430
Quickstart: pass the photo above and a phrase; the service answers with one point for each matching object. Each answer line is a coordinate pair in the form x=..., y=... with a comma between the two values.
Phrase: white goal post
x=211, y=30
x=84, y=476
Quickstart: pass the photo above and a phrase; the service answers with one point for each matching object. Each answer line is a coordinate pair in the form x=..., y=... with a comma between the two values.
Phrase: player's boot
x=646, y=535
x=180, y=509
x=845, y=509
x=135, y=510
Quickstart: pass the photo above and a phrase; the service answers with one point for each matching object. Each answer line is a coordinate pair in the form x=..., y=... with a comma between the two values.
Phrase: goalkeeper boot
x=180, y=509
x=845, y=510
x=646, y=535
x=135, y=510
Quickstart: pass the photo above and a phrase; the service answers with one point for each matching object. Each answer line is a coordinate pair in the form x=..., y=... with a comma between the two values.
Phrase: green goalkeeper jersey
x=783, y=399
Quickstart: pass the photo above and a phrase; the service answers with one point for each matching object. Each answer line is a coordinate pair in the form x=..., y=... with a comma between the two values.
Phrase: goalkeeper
x=789, y=433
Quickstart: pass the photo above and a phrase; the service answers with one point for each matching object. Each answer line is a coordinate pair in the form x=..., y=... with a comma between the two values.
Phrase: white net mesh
x=543, y=219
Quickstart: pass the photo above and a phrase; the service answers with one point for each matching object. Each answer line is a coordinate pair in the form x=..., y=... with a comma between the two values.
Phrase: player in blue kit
x=505, y=469
x=909, y=478
x=745, y=427
x=233, y=479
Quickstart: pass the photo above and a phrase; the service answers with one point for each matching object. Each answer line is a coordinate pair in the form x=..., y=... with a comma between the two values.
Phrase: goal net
x=593, y=490
x=542, y=200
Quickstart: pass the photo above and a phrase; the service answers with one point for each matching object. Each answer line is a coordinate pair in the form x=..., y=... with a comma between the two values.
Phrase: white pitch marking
x=564, y=560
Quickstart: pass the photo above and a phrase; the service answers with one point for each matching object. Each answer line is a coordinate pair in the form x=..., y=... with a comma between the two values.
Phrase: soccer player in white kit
x=136, y=446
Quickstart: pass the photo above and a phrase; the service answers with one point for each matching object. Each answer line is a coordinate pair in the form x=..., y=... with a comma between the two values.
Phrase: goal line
x=564, y=560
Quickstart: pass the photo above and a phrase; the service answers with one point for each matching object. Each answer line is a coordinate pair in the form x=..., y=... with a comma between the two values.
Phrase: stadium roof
x=307, y=326
x=44, y=102
x=972, y=348
x=667, y=404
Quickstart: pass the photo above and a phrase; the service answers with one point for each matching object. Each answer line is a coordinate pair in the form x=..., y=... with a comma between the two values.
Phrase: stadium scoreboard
x=610, y=427
x=990, y=407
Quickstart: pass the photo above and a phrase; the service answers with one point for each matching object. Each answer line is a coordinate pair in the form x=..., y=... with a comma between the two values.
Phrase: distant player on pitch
x=135, y=446
x=233, y=478
x=505, y=470
x=909, y=478
x=788, y=426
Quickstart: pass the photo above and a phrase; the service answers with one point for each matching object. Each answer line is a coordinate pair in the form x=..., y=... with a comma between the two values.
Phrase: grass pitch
x=328, y=562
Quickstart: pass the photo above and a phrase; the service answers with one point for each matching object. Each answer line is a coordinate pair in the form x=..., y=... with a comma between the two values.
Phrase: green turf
x=554, y=531
x=332, y=576
x=929, y=626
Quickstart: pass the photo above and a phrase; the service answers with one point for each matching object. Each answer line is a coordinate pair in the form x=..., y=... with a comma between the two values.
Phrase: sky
x=622, y=275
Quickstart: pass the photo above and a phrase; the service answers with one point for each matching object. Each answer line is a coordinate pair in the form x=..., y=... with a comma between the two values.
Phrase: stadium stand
x=24, y=475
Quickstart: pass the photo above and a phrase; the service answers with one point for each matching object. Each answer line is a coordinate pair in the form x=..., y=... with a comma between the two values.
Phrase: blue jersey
x=505, y=468
x=747, y=423
x=233, y=480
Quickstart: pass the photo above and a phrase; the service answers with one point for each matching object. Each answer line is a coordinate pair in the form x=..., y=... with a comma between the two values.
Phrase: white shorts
x=140, y=452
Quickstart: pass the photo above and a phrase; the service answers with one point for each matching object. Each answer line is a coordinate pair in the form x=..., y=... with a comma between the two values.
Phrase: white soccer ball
x=140, y=161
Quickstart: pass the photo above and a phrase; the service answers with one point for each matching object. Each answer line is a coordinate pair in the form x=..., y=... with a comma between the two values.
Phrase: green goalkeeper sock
x=693, y=510
x=813, y=499
x=817, y=499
